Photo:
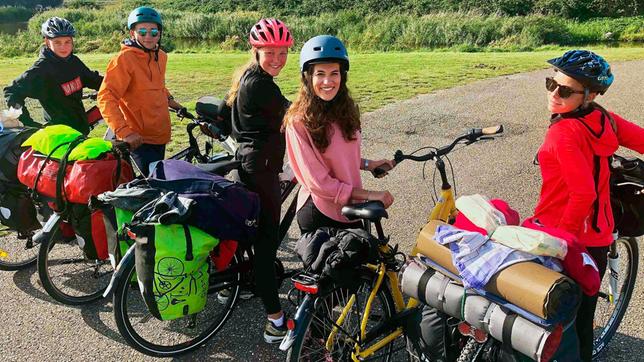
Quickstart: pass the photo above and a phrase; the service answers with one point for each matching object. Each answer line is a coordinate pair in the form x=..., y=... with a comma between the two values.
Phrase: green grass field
x=375, y=79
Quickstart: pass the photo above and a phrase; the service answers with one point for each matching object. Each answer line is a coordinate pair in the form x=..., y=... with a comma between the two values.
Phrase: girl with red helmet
x=257, y=108
x=574, y=164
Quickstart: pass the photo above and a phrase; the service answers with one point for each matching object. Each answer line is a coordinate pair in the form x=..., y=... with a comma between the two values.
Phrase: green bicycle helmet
x=144, y=14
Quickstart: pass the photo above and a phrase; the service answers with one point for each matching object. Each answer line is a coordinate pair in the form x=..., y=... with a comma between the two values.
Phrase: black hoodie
x=257, y=120
x=58, y=84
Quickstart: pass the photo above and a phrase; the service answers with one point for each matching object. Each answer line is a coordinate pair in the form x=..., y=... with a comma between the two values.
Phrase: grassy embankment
x=375, y=79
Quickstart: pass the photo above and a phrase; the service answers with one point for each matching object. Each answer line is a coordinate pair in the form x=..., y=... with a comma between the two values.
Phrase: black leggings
x=309, y=218
x=266, y=185
x=586, y=312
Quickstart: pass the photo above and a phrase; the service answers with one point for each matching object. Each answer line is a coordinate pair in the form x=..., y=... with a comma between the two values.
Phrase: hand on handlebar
x=379, y=168
x=210, y=130
x=120, y=145
x=183, y=113
x=134, y=140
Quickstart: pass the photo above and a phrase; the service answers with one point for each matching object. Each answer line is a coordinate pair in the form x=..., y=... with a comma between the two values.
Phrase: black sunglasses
x=564, y=91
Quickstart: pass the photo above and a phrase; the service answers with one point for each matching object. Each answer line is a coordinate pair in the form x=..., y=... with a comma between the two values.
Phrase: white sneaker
x=223, y=295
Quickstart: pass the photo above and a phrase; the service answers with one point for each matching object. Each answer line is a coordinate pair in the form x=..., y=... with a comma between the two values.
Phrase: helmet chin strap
x=585, y=102
x=144, y=47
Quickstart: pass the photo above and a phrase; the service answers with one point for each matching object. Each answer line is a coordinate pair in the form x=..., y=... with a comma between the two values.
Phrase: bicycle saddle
x=370, y=210
x=221, y=168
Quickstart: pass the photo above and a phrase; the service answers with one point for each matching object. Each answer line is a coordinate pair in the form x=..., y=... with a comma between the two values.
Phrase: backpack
x=71, y=171
x=172, y=268
x=222, y=208
x=90, y=229
x=17, y=210
x=11, y=140
x=118, y=208
x=627, y=201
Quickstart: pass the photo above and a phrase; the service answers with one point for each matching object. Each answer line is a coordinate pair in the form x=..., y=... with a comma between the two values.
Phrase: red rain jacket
x=575, y=172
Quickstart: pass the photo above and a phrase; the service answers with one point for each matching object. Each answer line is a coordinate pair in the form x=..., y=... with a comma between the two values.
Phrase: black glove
x=183, y=113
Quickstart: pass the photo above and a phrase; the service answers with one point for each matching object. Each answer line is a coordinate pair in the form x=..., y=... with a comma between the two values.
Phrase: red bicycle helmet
x=270, y=32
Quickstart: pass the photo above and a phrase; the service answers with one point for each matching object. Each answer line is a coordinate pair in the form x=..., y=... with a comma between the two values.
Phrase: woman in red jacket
x=574, y=162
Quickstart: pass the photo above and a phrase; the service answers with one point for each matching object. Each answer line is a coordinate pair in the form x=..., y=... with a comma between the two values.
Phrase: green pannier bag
x=172, y=268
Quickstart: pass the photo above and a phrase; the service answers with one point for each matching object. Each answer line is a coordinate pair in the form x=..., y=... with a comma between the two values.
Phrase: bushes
x=101, y=30
x=9, y=14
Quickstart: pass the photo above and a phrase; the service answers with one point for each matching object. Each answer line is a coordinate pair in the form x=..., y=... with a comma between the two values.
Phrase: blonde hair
x=239, y=73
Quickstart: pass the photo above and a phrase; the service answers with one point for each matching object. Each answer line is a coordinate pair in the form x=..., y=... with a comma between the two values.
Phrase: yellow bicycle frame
x=444, y=208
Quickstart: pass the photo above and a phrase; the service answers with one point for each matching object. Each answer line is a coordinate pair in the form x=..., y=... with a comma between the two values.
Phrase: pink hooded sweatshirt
x=329, y=177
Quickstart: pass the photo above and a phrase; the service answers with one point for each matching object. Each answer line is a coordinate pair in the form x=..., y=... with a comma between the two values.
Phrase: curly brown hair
x=317, y=115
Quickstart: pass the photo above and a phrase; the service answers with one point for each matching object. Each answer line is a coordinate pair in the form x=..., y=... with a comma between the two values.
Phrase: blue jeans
x=146, y=154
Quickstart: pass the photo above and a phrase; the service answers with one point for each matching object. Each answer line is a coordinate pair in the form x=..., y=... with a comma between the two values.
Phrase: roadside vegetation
x=397, y=25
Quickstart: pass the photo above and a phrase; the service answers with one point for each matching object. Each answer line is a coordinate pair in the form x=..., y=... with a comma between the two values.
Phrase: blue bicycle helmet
x=588, y=68
x=144, y=14
x=56, y=27
x=321, y=49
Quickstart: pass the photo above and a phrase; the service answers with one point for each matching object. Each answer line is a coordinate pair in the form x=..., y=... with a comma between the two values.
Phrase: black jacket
x=58, y=84
x=256, y=122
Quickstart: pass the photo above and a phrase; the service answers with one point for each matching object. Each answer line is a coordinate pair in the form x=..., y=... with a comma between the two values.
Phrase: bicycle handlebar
x=471, y=136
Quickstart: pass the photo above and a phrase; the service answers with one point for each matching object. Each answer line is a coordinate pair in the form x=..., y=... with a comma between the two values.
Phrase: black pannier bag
x=627, y=195
x=17, y=210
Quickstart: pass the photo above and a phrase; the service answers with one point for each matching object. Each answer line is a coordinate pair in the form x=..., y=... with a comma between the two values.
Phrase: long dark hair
x=317, y=115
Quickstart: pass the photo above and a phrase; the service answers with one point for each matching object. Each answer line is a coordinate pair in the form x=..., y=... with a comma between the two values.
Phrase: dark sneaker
x=223, y=296
x=274, y=334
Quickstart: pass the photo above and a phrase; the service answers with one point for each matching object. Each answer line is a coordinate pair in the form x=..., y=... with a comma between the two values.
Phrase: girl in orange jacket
x=133, y=98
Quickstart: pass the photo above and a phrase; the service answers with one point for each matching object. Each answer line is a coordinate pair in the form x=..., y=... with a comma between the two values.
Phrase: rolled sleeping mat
x=529, y=285
x=438, y=291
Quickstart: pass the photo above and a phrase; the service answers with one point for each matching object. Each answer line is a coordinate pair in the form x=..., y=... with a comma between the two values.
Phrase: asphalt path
x=34, y=327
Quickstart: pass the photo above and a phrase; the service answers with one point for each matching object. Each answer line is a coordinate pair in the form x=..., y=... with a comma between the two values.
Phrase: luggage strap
x=61, y=204
x=34, y=193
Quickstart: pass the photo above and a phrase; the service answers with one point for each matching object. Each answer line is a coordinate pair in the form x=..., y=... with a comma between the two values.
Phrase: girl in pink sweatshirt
x=323, y=139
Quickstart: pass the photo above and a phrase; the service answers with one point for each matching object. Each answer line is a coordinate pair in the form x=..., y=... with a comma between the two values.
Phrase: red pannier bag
x=83, y=179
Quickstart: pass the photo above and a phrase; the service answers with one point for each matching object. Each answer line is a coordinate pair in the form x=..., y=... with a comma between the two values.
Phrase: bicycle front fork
x=613, y=270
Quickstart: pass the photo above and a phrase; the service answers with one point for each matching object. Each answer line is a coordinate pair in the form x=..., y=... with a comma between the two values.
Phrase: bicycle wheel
x=16, y=251
x=66, y=273
x=158, y=338
x=608, y=316
x=310, y=345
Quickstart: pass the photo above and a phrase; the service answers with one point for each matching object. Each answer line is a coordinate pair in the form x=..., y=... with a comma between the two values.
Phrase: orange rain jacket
x=133, y=96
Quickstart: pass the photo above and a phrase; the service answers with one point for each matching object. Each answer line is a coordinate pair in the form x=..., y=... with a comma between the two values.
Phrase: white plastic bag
x=531, y=241
x=9, y=118
x=480, y=211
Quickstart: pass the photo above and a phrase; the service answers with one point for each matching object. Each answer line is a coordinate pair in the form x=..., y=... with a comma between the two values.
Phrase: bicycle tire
x=138, y=326
x=19, y=253
x=306, y=347
x=629, y=268
x=67, y=275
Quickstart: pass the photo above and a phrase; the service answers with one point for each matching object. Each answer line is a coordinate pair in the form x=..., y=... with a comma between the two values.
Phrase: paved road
x=33, y=327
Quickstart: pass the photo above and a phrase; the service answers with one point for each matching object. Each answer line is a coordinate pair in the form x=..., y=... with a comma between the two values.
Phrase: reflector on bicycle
x=305, y=282
x=310, y=289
